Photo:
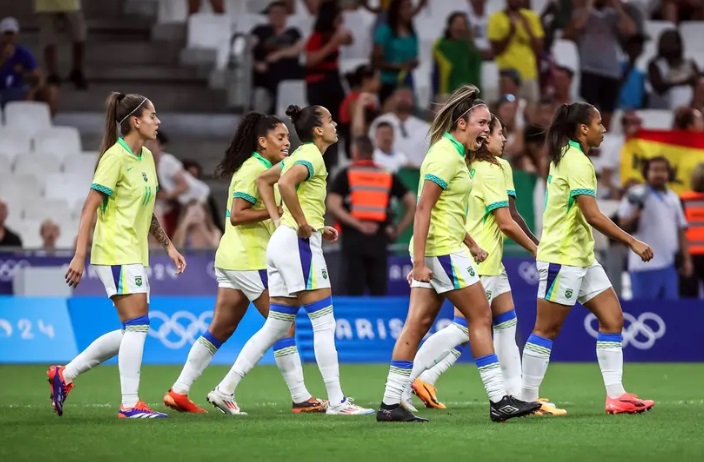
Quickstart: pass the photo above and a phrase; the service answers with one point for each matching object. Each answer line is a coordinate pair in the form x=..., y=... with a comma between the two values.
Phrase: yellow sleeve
x=496, y=28
x=581, y=177
x=108, y=173
x=244, y=184
x=535, y=24
x=313, y=161
x=508, y=179
x=439, y=170
x=494, y=189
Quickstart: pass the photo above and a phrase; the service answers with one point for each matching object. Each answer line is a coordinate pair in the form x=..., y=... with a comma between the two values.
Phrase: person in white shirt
x=411, y=132
x=384, y=153
x=478, y=23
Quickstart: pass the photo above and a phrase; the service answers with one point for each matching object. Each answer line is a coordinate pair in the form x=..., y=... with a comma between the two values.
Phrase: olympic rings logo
x=179, y=329
x=9, y=269
x=640, y=332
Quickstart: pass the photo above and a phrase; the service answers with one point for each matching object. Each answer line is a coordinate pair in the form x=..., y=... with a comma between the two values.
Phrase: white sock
x=490, y=372
x=507, y=351
x=274, y=329
x=433, y=374
x=198, y=359
x=103, y=348
x=289, y=362
x=536, y=357
x=439, y=345
x=320, y=314
x=130, y=358
x=398, y=380
x=609, y=352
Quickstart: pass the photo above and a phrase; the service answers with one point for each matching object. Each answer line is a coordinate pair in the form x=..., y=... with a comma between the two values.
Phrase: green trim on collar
x=459, y=146
x=261, y=159
x=576, y=145
x=121, y=142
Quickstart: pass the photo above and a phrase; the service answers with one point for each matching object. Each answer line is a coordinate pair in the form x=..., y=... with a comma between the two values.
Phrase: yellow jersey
x=56, y=6
x=243, y=247
x=129, y=183
x=508, y=176
x=567, y=237
x=445, y=166
x=489, y=192
x=312, y=191
x=519, y=53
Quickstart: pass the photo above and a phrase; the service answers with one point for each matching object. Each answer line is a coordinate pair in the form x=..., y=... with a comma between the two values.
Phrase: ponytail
x=245, y=142
x=458, y=106
x=120, y=109
x=305, y=120
x=563, y=128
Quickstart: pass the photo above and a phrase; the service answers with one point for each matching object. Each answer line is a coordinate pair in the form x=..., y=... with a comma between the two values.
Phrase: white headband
x=468, y=110
x=133, y=110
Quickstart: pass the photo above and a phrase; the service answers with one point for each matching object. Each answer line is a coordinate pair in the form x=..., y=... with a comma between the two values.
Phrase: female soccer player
x=240, y=265
x=566, y=264
x=491, y=216
x=123, y=191
x=296, y=267
x=442, y=264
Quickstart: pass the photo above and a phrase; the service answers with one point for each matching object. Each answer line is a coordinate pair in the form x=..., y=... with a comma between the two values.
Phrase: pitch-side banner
x=684, y=150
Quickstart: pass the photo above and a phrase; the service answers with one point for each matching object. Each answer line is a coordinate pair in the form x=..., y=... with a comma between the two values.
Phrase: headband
x=468, y=110
x=132, y=112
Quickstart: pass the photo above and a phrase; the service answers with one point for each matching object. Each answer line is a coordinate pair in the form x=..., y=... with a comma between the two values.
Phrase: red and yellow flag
x=683, y=149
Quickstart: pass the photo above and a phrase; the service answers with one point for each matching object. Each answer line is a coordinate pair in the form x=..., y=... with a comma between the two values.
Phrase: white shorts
x=251, y=283
x=295, y=264
x=123, y=279
x=567, y=285
x=495, y=285
x=450, y=272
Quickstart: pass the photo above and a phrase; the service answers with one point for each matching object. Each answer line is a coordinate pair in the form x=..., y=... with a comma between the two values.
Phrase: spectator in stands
x=382, y=10
x=632, y=94
x=49, y=232
x=694, y=212
x=597, y=29
x=195, y=169
x=607, y=158
x=535, y=157
x=671, y=75
x=20, y=77
x=517, y=40
x=546, y=64
x=698, y=94
x=682, y=10
x=510, y=84
x=479, y=24
x=561, y=88
x=359, y=199
x=322, y=71
x=411, y=132
x=7, y=237
x=177, y=187
x=508, y=112
x=653, y=212
x=688, y=119
x=361, y=105
x=195, y=229
x=457, y=61
x=384, y=153
x=276, y=49
x=396, y=48
x=218, y=6
x=54, y=18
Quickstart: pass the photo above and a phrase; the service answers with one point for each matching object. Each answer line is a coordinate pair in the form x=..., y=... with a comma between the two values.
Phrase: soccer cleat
x=225, y=403
x=427, y=393
x=407, y=401
x=510, y=407
x=181, y=403
x=347, y=407
x=397, y=414
x=628, y=403
x=311, y=406
x=140, y=411
x=59, y=388
x=548, y=408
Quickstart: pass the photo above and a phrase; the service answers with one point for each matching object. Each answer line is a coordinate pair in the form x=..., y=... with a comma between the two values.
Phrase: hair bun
x=293, y=111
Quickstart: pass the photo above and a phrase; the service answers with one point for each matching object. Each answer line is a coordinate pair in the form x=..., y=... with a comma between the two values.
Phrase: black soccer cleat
x=396, y=413
x=510, y=407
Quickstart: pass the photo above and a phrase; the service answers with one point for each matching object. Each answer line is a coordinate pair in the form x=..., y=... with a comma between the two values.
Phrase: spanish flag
x=684, y=150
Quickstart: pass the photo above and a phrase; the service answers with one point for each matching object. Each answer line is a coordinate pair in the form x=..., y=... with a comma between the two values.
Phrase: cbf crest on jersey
x=144, y=175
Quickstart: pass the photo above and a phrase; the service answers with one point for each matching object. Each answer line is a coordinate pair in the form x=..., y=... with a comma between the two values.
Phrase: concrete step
x=163, y=74
x=130, y=53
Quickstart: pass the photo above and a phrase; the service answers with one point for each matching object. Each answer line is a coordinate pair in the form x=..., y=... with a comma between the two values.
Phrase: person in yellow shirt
x=516, y=37
x=442, y=264
x=568, y=270
x=122, y=193
x=296, y=267
x=260, y=141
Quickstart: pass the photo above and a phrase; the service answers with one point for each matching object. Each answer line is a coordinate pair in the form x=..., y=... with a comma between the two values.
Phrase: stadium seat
x=23, y=185
x=490, y=81
x=69, y=187
x=360, y=23
x=42, y=208
x=170, y=11
x=692, y=34
x=5, y=164
x=295, y=91
x=80, y=164
x=27, y=117
x=29, y=164
x=210, y=32
x=60, y=140
x=657, y=119
x=245, y=22
x=29, y=233
x=13, y=142
x=697, y=56
x=350, y=64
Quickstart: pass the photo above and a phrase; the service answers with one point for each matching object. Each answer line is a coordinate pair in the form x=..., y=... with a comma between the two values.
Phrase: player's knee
x=549, y=332
x=612, y=324
x=222, y=331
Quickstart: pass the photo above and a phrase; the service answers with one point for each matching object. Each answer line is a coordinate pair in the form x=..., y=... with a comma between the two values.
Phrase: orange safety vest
x=370, y=190
x=693, y=204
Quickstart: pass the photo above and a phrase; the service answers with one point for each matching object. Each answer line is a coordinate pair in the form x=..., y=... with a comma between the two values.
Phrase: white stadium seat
x=41, y=208
x=210, y=32
x=71, y=188
x=13, y=142
x=63, y=141
x=295, y=91
x=5, y=164
x=31, y=165
x=171, y=11
x=81, y=164
x=27, y=117
x=21, y=185
x=657, y=119
x=490, y=81
x=692, y=34
x=29, y=232
x=245, y=22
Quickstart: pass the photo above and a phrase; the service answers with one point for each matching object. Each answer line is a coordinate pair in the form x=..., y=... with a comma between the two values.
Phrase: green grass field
x=89, y=429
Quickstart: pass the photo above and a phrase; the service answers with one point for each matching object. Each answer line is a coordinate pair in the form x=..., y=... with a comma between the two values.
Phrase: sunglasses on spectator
x=508, y=99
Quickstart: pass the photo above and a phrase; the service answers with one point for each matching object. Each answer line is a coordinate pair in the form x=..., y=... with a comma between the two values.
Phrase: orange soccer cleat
x=628, y=403
x=181, y=403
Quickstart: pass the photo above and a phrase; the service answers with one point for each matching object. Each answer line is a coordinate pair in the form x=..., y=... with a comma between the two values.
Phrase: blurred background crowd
x=382, y=68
